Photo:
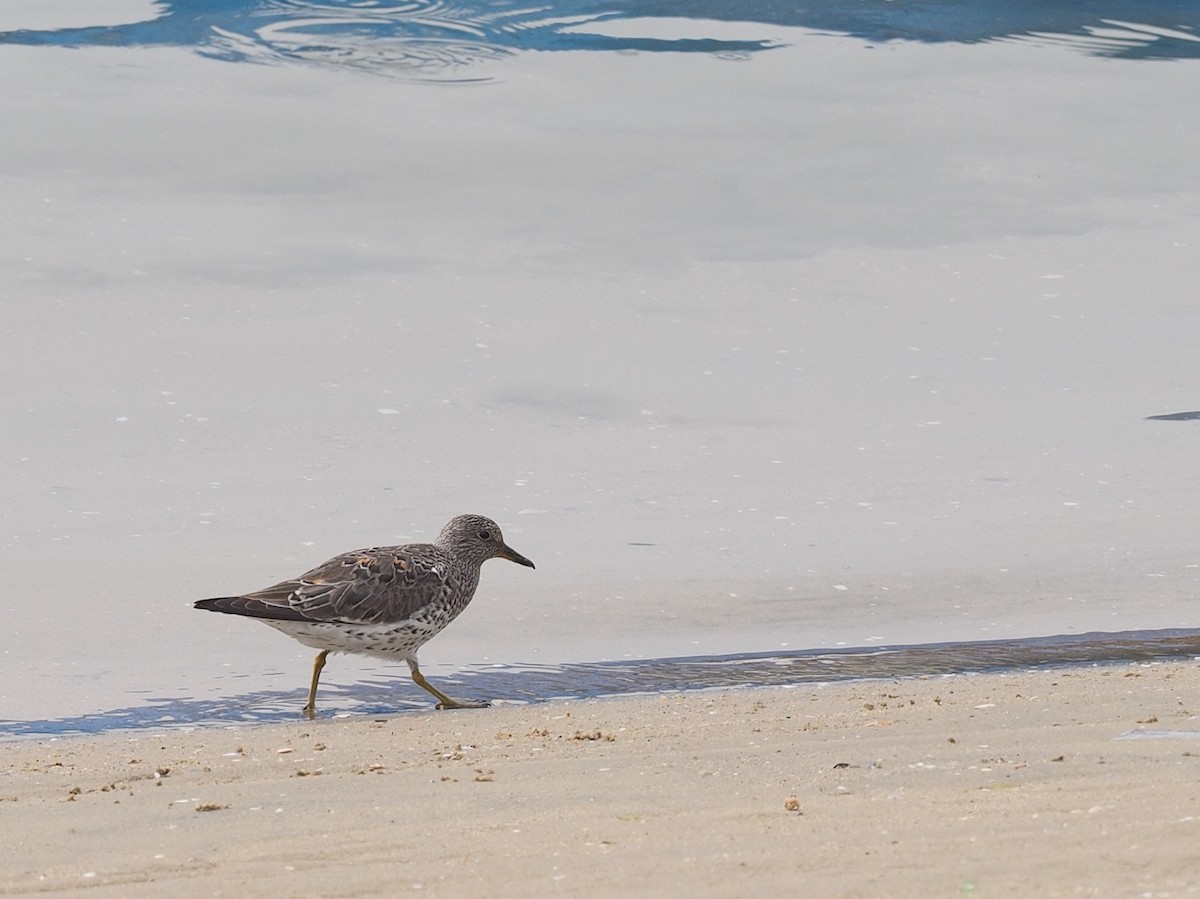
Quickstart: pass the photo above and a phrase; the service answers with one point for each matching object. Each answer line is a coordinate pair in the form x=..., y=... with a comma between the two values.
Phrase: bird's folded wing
x=370, y=586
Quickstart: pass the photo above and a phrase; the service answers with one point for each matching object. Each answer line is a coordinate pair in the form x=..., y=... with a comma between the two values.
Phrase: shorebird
x=384, y=601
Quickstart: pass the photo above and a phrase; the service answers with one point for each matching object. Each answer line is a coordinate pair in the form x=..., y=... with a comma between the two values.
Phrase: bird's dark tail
x=251, y=607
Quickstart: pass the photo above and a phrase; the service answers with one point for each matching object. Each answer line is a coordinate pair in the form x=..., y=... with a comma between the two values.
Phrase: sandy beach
x=1062, y=782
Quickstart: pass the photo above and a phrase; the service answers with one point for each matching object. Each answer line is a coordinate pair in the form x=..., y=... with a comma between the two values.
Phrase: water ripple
x=424, y=40
x=447, y=41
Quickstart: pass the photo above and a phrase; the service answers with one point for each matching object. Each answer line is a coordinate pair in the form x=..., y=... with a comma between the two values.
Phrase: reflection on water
x=434, y=40
x=520, y=683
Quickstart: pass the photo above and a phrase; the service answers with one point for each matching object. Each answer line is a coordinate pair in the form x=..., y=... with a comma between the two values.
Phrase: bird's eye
x=485, y=535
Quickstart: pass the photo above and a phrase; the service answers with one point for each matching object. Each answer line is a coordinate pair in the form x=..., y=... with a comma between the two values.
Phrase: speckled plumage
x=385, y=601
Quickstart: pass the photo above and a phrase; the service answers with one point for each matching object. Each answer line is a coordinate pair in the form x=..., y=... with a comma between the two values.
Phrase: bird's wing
x=367, y=586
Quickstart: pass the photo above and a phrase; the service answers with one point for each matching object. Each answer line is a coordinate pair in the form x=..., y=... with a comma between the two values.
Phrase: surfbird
x=384, y=601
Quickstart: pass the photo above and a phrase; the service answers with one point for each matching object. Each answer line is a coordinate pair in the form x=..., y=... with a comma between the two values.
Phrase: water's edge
x=587, y=680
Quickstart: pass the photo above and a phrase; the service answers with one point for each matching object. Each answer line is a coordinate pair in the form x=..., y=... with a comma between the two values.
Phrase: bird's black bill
x=513, y=556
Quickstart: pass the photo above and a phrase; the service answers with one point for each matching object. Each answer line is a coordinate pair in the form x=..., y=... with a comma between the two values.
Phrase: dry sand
x=1015, y=784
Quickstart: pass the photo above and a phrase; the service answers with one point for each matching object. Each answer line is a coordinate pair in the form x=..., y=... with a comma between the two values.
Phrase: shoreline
x=908, y=787
x=579, y=681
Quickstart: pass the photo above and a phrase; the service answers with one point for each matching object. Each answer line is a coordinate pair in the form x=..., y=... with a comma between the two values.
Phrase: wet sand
x=1081, y=781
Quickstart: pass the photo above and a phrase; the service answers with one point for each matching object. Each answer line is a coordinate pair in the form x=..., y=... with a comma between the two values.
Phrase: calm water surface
x=760, y=331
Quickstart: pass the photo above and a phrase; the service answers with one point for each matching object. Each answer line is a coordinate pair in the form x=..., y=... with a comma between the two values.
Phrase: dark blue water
x=525, y=684
x=442, y=41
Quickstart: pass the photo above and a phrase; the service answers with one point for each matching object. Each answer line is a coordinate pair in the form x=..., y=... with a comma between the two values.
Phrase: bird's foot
x=449, y=703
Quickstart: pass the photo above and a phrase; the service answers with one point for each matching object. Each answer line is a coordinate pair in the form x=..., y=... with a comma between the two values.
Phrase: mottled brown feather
x=367, y=586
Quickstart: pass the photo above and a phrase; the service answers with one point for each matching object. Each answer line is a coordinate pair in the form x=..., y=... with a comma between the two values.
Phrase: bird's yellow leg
x=310, y=710
x=444, y=701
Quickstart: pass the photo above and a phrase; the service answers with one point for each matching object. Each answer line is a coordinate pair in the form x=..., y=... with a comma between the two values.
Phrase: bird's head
x=477, y=537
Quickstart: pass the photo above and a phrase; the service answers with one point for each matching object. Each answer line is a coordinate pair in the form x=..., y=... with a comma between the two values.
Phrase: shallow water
x=527, y=683
x=811, y=329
